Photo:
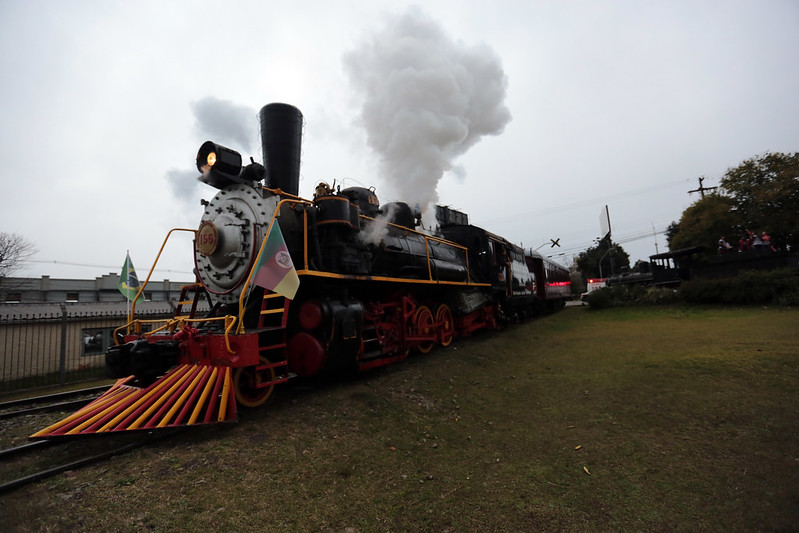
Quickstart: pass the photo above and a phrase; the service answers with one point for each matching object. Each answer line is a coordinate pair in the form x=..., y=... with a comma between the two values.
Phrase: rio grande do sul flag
x=275, y=270
x=128, y=281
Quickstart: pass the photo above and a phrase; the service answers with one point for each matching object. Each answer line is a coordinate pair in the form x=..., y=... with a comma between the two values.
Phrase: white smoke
x=426, y=100
x=231, y=125
x=183, y=183
x=375, y=231
x=226, y=123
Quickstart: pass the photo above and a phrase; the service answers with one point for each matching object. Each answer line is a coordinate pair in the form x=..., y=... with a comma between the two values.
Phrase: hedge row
x=776, y=287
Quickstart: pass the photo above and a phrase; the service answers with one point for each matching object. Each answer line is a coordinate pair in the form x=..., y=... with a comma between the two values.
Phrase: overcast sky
x=546, y=110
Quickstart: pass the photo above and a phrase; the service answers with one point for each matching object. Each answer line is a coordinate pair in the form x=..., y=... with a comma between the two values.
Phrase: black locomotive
x=362, y=285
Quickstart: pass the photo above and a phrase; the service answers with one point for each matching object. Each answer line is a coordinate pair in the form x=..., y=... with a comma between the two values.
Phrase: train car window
x=501, y=256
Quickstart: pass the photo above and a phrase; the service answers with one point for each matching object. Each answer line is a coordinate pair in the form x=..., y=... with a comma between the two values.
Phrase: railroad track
x=28, y=463
x=50, y=402
x=33, y=461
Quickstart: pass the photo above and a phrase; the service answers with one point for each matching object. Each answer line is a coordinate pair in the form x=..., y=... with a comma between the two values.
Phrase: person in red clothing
x=746, y=241
x=767, y=242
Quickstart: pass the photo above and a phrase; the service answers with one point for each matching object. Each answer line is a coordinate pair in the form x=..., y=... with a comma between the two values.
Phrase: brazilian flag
x=128, y=282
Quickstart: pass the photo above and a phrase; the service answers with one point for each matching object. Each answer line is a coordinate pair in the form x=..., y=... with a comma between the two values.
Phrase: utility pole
x=701, y=190
x=654, y=234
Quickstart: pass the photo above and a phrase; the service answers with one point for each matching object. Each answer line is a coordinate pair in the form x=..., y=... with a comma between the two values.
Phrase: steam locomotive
x=366, y=286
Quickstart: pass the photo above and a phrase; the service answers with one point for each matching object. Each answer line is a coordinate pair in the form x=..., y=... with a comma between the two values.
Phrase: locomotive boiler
x=293, y=287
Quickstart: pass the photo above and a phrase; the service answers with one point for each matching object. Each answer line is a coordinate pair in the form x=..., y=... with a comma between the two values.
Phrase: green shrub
x=660, y=295
x=776, y=287
x=600, y=298
x=621, y=295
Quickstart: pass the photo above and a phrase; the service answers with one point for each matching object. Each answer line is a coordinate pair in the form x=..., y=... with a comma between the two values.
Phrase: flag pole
x=127, y=284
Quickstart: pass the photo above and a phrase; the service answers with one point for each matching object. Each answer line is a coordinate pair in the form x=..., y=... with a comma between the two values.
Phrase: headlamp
x=211, y=159
x=217, y=159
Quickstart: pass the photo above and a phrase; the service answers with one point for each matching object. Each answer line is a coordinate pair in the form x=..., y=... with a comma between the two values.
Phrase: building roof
x=78, y=309
x=678, y=253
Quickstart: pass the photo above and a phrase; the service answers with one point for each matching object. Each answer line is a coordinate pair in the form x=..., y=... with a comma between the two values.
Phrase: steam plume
x=226, y=123
x=221, y=121
x=375, y=232
x=183, y=183
x=426, y=100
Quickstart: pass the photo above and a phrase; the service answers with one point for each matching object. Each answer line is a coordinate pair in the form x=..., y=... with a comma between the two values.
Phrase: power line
x=620, y=239
x=587, y=202
x=67, y=263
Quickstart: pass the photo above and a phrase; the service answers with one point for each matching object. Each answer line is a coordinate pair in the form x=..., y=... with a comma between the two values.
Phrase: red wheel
x=246, y=381
x=447, y=325
x=425, y=325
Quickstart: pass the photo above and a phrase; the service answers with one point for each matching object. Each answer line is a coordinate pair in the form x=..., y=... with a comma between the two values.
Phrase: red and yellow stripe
x=186, y=395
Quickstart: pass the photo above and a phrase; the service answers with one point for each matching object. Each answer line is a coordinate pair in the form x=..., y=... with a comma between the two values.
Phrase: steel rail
x=55, y=396
x=44, y=408
x=94, y=392
x=43, y=474
x=8, y=452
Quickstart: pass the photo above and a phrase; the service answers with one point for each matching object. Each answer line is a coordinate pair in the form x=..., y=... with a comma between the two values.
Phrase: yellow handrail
x=230, y=320
x=246, y=286
x=157, y=257
x=178, y=323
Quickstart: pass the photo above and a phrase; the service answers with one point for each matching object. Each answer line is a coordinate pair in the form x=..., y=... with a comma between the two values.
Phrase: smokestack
x=281, y=139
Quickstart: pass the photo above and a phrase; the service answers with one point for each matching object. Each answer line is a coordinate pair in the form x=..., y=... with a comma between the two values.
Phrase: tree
x=589, y=261
x=14, y=251
x=703, y=222
x=765, y=194
x=671, y=231
x=760, y=194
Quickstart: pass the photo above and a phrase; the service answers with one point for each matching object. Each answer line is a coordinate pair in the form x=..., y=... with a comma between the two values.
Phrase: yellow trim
x=178, y=323
x=152, y=269
x=321, y=274
x=109, y=406
x=427, y=256
x=246, y=286
x=224, y=399
x=305, y=239
x=157, y=404
x=112, y=399
x=209, y=385
x=290, y=199
x=280, y=192
x=156, y=390
x=183, y=397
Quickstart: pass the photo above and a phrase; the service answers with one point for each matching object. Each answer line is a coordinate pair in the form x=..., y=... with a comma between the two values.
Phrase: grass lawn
x=631, y=419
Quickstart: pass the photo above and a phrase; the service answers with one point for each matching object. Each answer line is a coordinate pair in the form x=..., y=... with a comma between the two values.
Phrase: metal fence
x=42, y=350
